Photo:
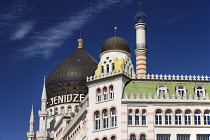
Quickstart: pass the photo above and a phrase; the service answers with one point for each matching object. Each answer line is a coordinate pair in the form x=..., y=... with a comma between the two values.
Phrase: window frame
x=178, y=117
x=158, y=117
x=207, y=117
x=97, y=121
x=168, y=117
x=181, y=91
x=113, y=117
x=188, y=117
x=161, y=89
x=197, y=117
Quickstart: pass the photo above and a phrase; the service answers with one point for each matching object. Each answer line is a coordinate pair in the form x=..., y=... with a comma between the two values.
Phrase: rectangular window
x=129, y=120
x=183, y=137
x=136, y=120
x=163, y=136
x=143, y=120
x=203, y=137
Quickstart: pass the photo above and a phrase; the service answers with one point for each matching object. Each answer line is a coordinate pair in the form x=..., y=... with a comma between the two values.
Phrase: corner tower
x=141, y=47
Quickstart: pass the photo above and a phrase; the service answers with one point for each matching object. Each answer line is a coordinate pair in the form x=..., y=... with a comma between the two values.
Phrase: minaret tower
x=42, y=133
x=141, y=47
x=31, y=134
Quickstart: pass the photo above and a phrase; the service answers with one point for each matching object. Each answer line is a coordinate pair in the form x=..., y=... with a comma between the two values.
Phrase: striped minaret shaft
x=141, y=49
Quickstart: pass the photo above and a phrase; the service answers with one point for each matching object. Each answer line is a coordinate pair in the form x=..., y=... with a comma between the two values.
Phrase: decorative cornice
x=173, y=77
x=131, y=97
x=105, y=75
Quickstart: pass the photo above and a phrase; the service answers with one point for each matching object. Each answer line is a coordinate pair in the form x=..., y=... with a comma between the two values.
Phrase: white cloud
x=22, y=30
x=178, y=17
x=45, y=43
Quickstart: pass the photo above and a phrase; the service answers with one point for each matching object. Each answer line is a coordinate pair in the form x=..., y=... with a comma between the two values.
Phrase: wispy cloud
x=22, y=30
x=178, y=17
x=46, y=42
x=16, y=10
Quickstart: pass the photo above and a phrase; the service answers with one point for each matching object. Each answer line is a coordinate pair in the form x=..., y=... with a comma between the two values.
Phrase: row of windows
x=133, y=137
x=105, y=138
x=61, y=110
x=187, y=117
x=106, y=120
x=111, y=67
x=168, y=137
x=140, y=117
x=105, y=94
x=183, y=137
x=180, y=90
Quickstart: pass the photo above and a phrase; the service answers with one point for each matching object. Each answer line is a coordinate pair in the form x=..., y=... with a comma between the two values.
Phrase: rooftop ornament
x=140, y=16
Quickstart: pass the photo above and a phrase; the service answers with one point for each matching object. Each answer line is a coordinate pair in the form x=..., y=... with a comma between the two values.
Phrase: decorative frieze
x=178, y=97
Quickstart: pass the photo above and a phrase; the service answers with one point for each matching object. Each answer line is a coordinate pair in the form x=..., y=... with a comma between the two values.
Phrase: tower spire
x=31, y=133
x=44, y=94
x=42, y=133
x=32, y=114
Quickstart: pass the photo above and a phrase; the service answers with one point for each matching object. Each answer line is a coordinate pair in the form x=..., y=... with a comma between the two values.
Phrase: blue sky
x=36, y=35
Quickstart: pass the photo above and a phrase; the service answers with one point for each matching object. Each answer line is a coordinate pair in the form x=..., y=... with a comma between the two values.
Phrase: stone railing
x=173, y=77
x=104, y=75
x=167, y=97
x=151, y=76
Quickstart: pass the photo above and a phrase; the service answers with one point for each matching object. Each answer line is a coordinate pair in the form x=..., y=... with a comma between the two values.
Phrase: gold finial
x=115, y=31
x=80, y=41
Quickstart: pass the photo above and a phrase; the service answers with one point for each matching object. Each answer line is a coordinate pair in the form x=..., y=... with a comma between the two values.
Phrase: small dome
x=140, y=17
x=115, y=43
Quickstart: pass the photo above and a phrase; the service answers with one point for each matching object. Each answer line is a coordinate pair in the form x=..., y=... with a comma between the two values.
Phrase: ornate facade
x=109, y=100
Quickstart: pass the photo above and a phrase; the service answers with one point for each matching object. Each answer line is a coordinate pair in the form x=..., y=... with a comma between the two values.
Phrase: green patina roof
x=139, y=86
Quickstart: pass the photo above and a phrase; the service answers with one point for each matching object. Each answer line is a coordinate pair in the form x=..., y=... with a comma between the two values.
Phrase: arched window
x=69, y=109
x=98, y=95
x=137, y=117
x=187, y=117
x=111, y=92
x=113, y=67
x=105, y=94
x=50, y=112
x=161, y=90
x=158, y=117
x=127, y=69
x=144, y=117
x=104, y=138
x=181, y=90
x=207, y=117
x=107, y=68
x=168, y=117
x=132, y=137
x=56, y=111
x=142, y=137
x=97, y=120
x=113, y=138
x=200, y=91
x=130, y=113
x=113, y=117
x=62, y=109
x=102, y=69
x=178, y=117
x=105, y=118
x=197, y=117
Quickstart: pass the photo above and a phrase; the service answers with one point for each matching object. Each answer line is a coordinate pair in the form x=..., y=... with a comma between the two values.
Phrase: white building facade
x=118, y=103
